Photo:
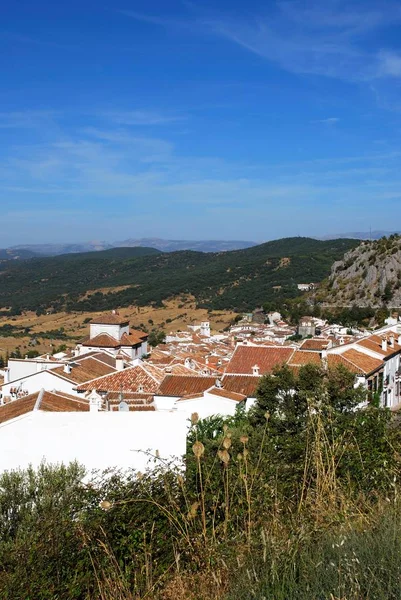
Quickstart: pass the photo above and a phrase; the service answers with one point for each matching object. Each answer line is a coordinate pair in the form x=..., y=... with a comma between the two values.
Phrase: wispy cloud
x=26, y=119
x=328, y=121
x=154, y=185
x=140, y=117
x=302, y=36
x=20, y=38
x=144, y=18
x=389, y=64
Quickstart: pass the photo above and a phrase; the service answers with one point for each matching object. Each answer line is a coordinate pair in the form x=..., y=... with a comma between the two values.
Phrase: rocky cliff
x=369, y=275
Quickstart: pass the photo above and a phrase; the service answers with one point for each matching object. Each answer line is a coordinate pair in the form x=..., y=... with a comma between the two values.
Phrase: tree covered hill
x=237, y=280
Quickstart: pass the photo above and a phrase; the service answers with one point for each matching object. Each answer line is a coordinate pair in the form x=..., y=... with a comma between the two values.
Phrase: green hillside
x=238, y=280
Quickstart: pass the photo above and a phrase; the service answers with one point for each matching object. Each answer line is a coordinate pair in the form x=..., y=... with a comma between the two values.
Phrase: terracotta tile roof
x=102, y=356
x=109, y=319
x=315, y=344
x=134, y=338
x=60, y=402
x=222, y=393
x=134, y=397
x=374, y=342
x=178, y=369
x=241, y=384
x=266, y=357
x=182, y=385
x=333, y=360
x=103, y=340
x=50, y=402
x=365, y=363
x=85, y=369
x=143, y=379
x=17, y=408
x=300, y=358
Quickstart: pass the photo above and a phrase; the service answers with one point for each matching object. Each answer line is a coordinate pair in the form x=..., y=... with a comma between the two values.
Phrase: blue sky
x=195, y=119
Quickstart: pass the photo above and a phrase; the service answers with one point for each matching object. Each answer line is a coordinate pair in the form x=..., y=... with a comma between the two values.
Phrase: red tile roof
x=365, y=363
x=182, y=385
x=103, y=340
x=222, y=393
x=333, y=360
x=134, y=338
x=265, y=357
x=374, y=342
x=241, y=384
x=85, y=369
x=145, y=379
x=300, y=358
x=109, y=319
x=50, y=402
x=315, y=344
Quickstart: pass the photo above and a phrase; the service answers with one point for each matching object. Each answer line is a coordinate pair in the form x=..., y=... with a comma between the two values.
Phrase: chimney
x=119, y=363
x=384, y=345
x=218, y=383
x=256, y=370
x=391, y=341
x=67, y=368
x=399, y=340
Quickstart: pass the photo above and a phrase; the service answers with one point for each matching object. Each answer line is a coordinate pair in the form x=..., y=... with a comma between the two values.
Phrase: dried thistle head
x=180, y=480
x=245, y=452
x=198, y=449
x=225, y=427
x=193, y=510
x=105, y=505
x=227, y=443
x=244, y=439
x=224, y=456
x=239, y=457
x=194, y=418
x=267, y=415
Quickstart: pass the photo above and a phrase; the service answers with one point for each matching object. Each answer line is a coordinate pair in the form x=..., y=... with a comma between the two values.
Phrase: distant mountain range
x=360, y=235
x=31, y=250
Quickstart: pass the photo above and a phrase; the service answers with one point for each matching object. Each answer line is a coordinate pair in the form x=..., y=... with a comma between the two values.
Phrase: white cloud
x=389, y=64
x=328, y=121
x=304, y=36
x=26, y=119
x=140, y=117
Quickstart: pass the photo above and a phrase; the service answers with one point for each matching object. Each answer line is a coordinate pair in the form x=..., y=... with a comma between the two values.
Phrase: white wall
x=43, y=380
x=391, y=366
x=165, y=402
x=116, y=331
x=207, y=406
x=23, y=367
x=96, y=440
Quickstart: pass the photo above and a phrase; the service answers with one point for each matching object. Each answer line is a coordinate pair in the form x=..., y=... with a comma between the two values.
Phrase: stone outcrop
x=369, y=275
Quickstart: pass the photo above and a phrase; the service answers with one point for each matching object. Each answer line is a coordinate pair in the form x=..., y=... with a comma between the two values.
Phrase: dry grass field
x=174, y=316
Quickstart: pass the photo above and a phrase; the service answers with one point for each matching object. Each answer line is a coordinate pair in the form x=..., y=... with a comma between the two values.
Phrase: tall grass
x=237, y=524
